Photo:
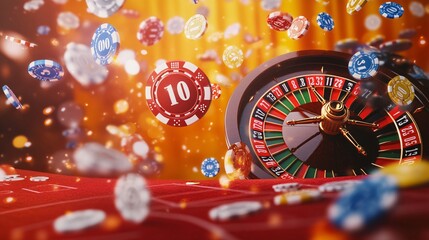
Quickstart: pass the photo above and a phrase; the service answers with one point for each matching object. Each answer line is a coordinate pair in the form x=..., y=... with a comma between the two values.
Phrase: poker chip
x=233, y=57
x=355, y=6
x=18, y=41
x=286, y=187
x=338, y=186
x=150, y=31
x=365, y=203
x=372, y=22
x=363, y=65
x=105, y=44
x=130, y=13
x=68, y=20
x=398, y=45
x=208, y=55
x=407, y=33
x=39, y=179
x=210, y=167
x=233, y=210
x=11, y=178
x=81, y=65
x=175, y=25
x=299, y=28
x=417, y=9
x=195, y=27
x=203, y=10
x=33, y=5
x=400, y=91
x=232, y=30
x=391, y=10
x=178, y=93
x=279, y=21
x=45, y=70
x=11, y=98
x=216, y=91
x=238, y=161
x=79, y=220
x=376, y=41
x=408, y=175
x=270, y=5
x=325, y=21
x=418, y=73
x=135, y=144
x=43, y=30
x=104, y=8
x=132, y=197
x=297, y=197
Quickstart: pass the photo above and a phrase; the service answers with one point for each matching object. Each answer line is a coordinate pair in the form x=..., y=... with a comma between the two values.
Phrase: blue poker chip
x=210, y=167
x=363, y=65
x=45, y=70
x=325, y=21
x=364, y=203
x=105, y=44
x=391, y=10
x=43, y=30
x=11, y=98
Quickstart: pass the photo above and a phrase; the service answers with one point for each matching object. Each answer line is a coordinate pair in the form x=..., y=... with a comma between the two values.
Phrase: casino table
x=179, y=210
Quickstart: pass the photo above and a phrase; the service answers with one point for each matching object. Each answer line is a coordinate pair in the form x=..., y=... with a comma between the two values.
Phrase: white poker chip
x=285, y=187
x=270, y=5
x=104, y=8
x=175, y=25
x=39, y=179
x=233, y=210
x=11, y=178
x=232, y=30
x=79, y=220
x=372, y=22
x=82, y=66
x=68, y=20
x=338, y=186
x=33, y=5
x=132, y=197
x=417, y=9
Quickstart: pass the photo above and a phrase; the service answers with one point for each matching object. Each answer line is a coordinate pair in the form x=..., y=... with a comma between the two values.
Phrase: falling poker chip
x=105, y=44
x=45, y=70
x=391, y=10
x=132, y=197
x=270, y=5
x=175, y=25
x=150, y=31
x=299, y=28
x=363, y=65
x=196, y=26
x=210, y=167
x=79, y=220
x=355, y=5
x=233, y=57
x=82, y=66
x=178, y=93
x=398, y=45
x=216, y=91
x=18, y=41
x=104, y=8
x=11, y=98
x=68, y=20
x=279, y=21
x=400, y=91
x=325, y=21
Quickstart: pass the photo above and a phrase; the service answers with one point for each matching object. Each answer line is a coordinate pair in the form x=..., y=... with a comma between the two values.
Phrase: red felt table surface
x=180, y=211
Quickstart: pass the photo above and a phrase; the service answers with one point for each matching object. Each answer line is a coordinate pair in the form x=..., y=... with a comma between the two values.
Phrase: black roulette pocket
x=303, y=115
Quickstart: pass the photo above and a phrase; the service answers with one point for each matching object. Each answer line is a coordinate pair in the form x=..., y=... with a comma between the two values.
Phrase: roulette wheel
x=302, y=115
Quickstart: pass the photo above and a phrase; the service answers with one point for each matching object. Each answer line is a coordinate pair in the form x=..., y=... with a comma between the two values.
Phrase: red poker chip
x=299, y=28
x=150, y=31
x=216, y=91
x=178, y=93
x=279, y=21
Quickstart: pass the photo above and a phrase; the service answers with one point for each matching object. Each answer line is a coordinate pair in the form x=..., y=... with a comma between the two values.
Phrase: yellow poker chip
x=233, y=57
x=196, y=26
x=400, y=91
x=409, y=175
x=355, y=5
x=297, y=197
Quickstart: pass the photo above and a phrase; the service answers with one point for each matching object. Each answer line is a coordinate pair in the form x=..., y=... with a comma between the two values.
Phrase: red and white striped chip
x=279, y=21
x=150, y=31
x=18, y=41
x=299, y=28
x=178, y=93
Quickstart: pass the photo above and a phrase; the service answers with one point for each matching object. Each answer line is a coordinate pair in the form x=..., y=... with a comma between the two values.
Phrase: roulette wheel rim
x=330, y=62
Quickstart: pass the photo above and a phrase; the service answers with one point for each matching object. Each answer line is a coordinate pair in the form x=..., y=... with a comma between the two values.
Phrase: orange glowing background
x=183, y=149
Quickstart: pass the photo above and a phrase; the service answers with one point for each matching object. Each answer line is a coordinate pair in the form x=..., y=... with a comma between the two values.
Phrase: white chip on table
x=237, y=209
x=11, y=178
x=132, y=197
x=79, y=220
x=39, y=179
x=338, y=185
x=284, y=187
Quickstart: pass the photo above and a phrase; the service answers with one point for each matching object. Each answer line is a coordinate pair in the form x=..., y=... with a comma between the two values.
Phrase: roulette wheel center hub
x=334, y=116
